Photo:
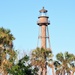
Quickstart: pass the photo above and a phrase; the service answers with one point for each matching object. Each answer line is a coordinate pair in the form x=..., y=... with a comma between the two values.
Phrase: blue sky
x=20, y=16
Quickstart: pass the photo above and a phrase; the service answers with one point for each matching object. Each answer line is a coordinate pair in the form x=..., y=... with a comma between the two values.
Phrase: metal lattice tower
x=43, y=23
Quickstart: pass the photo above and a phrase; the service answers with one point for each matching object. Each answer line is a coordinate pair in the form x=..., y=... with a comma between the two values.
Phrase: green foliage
x=22, y=68
x=60, y=57
x=6, y=37
x=7, y=53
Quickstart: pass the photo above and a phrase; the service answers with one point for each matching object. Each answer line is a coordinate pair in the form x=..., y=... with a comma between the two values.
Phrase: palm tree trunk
x=72, y=73
x=53, y=73
x=63, y=72
x=41, y=71
x=44, y=71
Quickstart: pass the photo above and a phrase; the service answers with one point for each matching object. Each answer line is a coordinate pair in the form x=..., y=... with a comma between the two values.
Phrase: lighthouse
x=43, y=23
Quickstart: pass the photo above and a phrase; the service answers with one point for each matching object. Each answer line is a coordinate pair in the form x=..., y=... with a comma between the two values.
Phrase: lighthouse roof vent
x=43, y=10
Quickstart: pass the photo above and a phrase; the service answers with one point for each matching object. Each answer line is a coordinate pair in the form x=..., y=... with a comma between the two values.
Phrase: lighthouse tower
x=43, y=23
x=43, y=36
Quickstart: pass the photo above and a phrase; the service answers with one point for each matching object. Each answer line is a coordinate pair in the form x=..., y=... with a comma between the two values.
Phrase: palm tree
x=72, y=68
x=62, y=64
x=40, y=58
x=72, y=65
x=7, y=54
